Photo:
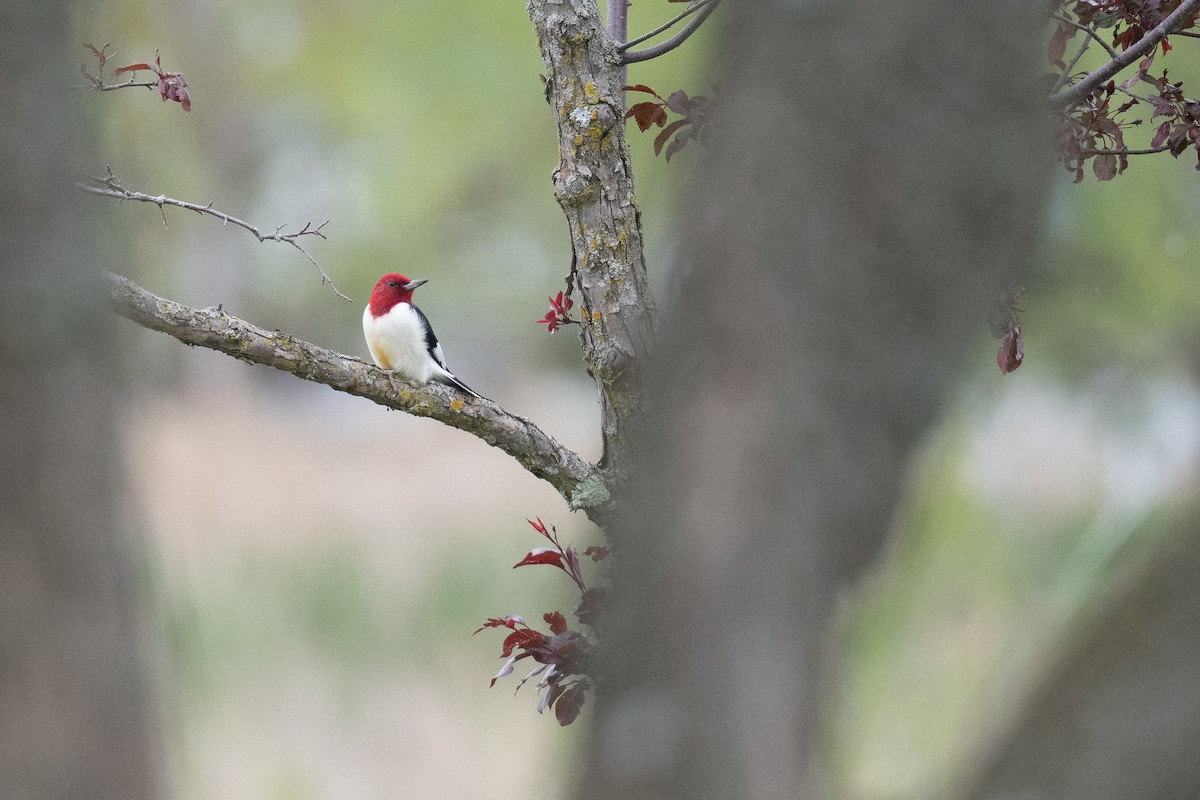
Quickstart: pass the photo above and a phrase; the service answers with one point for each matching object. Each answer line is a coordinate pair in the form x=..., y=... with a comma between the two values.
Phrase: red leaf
x=1011, y=352
x=566, y=710
x=1105, y=167
x=556, y=621
x=597, y=552
x=538, y=526
x=641, y=87
x=541, y=555
x=524, y=638
x=1161, y=134
x=645, y=113
x=134, y=68
x=661, y=139
x=1057, y=46
x=679, y=103
x=677, y=145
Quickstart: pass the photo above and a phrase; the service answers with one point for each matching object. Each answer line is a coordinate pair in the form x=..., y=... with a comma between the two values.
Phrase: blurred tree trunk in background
x=74, y=714
x=1119, y=716
x=873, y=183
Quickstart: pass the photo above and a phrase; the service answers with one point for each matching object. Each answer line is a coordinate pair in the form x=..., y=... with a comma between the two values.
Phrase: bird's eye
x=393, y=284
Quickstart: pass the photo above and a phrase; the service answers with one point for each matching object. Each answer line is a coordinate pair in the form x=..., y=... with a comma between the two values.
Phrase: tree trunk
x=1119, y=716
x=594, y=186
x=869, y=188
x=74, y=714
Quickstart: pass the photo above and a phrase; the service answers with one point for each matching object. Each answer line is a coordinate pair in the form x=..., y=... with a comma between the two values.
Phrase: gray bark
x=75, y=718
x=594, y=186
x=872, y=183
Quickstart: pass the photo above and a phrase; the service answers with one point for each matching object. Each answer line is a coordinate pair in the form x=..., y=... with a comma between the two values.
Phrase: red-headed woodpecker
x=399, y=336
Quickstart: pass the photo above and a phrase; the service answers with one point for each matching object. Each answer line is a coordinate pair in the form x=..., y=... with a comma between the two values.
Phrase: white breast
x=397, y=341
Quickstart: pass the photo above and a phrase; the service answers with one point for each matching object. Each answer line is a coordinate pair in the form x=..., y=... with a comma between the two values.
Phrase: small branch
x=1108, y=48
x=97, y=85
x=576, y=480
x=1072, y=95
x=687, y=12
x=108, y=187
x=1094, y=151
x=633, y=56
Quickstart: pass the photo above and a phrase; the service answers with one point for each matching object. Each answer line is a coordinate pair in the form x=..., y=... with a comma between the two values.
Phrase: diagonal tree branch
x=1072, y=95
x=579, y=482
x=633, y=56
x=109, y=187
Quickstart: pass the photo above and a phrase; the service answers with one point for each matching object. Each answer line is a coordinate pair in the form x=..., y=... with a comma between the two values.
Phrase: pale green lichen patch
x=589, y=493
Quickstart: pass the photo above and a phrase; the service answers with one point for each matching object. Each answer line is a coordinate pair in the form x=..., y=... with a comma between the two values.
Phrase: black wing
x=431, y=340
x=435, y=350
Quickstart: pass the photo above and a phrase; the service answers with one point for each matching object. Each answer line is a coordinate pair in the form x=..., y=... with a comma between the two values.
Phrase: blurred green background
x=314, y=565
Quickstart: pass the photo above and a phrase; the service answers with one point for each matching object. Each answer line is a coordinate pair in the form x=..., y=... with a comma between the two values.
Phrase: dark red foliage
x=171, y=85
x=1011, y=352
x=1005, y=323
x=693, y=113
x=597, y=552
x=1092, y=129
x=562, y=653
x=559, y=313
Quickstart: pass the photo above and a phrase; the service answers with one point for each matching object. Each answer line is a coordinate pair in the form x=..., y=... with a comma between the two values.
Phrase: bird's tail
x=450, y=378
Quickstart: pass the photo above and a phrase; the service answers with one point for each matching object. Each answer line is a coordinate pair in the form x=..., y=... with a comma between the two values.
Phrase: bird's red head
x=391, y=290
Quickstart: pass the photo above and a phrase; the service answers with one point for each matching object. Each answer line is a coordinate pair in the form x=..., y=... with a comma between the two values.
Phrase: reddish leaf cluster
x=1091, y=133
x=1094, y=129
x=1005, y=323
x=171, y=85
x=1180, y=128
x=559, y=313
x=693, y=113
x=561, y=654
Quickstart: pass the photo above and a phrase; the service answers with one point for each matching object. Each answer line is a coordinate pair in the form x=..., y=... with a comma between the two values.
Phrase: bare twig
x=1072, y=95
x=577, y=481
x=109, y=187
x=1095, y=151
x=687, y=12
x=1091, y=32
x=633, y=56
x=96, y=82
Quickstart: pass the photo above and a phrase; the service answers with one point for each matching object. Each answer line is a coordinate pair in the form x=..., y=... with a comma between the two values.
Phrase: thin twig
x=1091, y=32
x=1094, y=151
x=1072, y=95
x=109, y=187
x=633, y=56
x=687, y=12
x=579, y=482
x=1066, y=73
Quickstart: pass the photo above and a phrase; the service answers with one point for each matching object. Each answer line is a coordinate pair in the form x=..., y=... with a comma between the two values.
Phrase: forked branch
x=1074, y=94
x=701, y=9
x=109, y=187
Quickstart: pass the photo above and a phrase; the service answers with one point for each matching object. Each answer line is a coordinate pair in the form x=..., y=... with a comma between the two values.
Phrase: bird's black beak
x=408, y=287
